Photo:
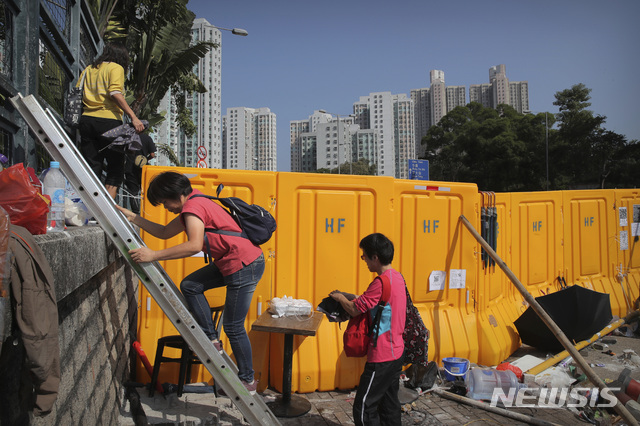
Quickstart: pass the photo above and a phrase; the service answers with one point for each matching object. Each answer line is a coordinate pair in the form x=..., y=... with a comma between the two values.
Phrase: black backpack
x=256, y=223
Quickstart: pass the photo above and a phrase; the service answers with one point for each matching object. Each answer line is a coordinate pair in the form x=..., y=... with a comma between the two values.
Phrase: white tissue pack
x=290, y=307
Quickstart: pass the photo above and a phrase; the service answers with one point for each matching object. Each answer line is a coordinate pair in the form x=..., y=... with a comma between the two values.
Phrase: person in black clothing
x=133, y=169
x=103, y=106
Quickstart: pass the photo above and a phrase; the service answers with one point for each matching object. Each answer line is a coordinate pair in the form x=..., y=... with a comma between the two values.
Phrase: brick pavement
x=330, y=408
x=334, y=408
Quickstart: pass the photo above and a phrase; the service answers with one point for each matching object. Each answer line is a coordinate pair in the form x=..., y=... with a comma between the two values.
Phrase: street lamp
x=236, y=31
x=322, y=111
x=546, y=140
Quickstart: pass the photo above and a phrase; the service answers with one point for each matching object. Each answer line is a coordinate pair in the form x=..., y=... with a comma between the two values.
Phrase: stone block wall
x=97, y=295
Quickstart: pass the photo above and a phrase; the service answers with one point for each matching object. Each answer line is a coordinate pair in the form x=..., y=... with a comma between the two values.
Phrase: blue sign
x=419, y=169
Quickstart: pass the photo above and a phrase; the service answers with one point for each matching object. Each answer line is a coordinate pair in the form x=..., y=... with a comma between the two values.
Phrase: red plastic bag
x=4, y=255
x=21, y=199
x=505, y=366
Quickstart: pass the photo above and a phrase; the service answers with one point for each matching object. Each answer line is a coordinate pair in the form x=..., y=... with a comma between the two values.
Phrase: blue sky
x=301, y=56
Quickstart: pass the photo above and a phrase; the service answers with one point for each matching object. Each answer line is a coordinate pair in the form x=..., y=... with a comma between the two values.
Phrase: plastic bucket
x=455, y=367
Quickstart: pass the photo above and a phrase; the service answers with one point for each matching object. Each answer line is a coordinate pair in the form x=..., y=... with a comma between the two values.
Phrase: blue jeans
x=240, y=286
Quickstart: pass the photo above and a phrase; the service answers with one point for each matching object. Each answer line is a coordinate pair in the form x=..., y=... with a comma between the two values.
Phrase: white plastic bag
x=289, y=307
x=75, y=212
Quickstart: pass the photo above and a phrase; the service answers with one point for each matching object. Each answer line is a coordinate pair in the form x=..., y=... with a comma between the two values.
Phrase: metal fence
x=58, y=38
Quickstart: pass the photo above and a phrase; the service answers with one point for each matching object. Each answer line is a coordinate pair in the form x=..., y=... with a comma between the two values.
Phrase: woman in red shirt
x=238, y=264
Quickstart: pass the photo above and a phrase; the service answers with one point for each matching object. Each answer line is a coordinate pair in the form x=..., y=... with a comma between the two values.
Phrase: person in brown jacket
x=36, y=316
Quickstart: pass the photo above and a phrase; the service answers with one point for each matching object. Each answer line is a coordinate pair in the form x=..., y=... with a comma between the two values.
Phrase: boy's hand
x=337, y=295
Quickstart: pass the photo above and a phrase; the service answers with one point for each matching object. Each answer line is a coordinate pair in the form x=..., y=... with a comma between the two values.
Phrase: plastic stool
x=187, y=358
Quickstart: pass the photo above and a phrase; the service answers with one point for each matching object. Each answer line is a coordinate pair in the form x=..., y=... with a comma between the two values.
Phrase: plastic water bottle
x=482, y=382
x=54, y=186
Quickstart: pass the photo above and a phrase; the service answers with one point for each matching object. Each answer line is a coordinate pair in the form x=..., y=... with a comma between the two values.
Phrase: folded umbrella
x=333, y=310
x=577, y=311
x=124, y=137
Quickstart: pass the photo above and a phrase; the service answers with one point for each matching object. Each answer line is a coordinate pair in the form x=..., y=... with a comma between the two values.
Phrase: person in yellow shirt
x=103, y=107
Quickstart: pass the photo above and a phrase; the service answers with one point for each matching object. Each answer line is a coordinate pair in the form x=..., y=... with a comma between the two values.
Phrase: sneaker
x=251, y=387
x=218, y=345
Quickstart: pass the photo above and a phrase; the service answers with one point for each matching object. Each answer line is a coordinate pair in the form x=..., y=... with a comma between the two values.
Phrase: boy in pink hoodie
x=376, y=399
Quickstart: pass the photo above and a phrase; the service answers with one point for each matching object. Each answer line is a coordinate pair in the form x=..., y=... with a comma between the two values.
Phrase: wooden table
x=287, y=405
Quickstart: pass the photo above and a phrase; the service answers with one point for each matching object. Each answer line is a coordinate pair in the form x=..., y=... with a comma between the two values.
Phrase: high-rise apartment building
x=167, y=132
x=296, y=129
x=381, y=130
x=499, y=85
x=265, y=140
x=519, y=95
x=309, y=148
x=456, y=96
x=206, y=108
x=249, y=139
x=333, y=144
x=392, y=117
x=481, y=93
x=422, y=116
x=438, y=96
x=366, y=146
x=303, y=142
x=514, y=93
x=324, y=141
x=404, y=137
x=433, y=103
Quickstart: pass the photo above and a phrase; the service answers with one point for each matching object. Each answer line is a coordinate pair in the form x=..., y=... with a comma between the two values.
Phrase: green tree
x=166, y=150
x=103, y=14
x=586, y=154
x=360, y=167
x=158, y=36
x=499, y=149
x=625, y=170
x=503, y=150
x=162, y=51
x=580, y=141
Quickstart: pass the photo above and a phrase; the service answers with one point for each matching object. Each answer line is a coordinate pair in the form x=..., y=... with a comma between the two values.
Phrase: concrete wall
x=97, y=294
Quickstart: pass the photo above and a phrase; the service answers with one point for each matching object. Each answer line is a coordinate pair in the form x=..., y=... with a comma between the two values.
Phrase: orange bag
x=19, y=197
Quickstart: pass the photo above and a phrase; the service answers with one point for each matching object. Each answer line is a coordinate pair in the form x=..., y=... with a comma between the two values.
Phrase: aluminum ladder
x=49, y=132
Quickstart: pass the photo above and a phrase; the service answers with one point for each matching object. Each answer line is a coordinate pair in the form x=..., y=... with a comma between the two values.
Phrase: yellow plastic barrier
x=627, y=245
x=322, y=217
x=496, y=302
x=590, y=252
x=429, y=241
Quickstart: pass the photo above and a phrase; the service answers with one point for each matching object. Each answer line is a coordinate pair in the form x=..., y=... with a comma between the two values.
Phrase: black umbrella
x=577, y=311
